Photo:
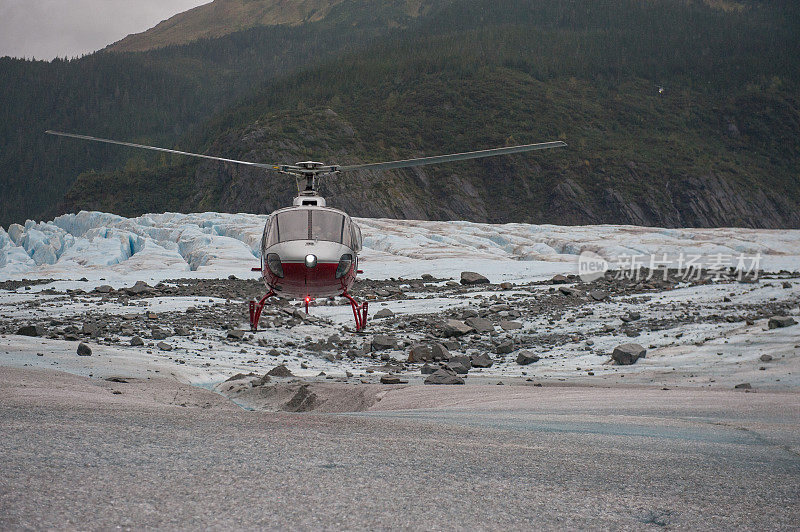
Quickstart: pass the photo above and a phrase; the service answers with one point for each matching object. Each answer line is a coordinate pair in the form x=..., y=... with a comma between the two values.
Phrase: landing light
x=311, y=261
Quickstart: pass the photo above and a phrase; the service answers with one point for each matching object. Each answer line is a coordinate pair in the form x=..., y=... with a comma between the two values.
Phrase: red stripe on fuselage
x=301, y=281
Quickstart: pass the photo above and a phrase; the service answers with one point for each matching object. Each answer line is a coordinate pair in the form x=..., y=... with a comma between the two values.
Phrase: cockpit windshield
x=308, y=224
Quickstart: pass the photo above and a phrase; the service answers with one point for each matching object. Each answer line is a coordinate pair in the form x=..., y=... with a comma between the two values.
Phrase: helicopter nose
x=311, y=261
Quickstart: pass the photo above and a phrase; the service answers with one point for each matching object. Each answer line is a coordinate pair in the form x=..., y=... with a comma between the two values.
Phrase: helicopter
x=310, y=250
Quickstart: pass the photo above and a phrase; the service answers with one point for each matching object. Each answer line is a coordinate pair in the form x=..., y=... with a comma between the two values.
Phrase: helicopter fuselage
x=310, y=250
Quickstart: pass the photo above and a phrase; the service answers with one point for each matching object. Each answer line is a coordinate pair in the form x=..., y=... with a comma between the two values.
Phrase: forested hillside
x=676, y=113
x=153, y=97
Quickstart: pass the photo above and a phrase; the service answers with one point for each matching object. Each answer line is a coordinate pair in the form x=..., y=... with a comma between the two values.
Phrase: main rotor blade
x=154, y=148
x=453, y=157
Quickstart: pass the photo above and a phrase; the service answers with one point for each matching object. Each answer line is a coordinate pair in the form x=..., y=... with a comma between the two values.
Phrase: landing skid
x=255, y=310
x=359, y=312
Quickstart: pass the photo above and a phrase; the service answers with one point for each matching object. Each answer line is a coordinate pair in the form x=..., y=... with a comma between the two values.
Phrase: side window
x=356, y=237
x=347, y=232
x=271, y=232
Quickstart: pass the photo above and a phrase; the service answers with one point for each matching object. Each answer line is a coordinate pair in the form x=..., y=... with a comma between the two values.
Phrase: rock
x=559, y=279
x=159, y=334
x=427, y=277
x=236, y=334
x=481, y=361
x=473, y=278
x=383, y=313
x=280, y=371
x=598, y=295
x=443, y=376
x=510, y=325
x=136, y=342
x=627, y=354
x=427, y=369
x=506, y=285
x=84, y=350
x=526, y=357
x=567, y=291
x=765, y=358
x=460, y=364
x=392, y=379
x=440, y=352
x=787, y=284
x=480, y=325
x=31, y=330
x=420, y=353
x=120, y=380
x=469, y=313
x=504, y=347
x=90, y=329
x=164, y=346
x=455, y=328
x=776, y=322
x=139, y=288
x=451, y=345
x=743, y=386
x=104, y=289
x=381, y=342
x=631, y=316
x=428, y=353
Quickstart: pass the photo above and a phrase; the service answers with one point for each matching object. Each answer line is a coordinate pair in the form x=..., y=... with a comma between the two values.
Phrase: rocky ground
x=659, y=330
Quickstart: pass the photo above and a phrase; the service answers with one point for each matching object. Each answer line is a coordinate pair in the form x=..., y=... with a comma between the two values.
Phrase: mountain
x=223, y=17
x=154, y=97
x=676, y=113
x=672, y=116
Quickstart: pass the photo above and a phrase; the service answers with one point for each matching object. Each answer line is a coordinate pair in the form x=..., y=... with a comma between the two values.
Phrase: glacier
x=97, y=245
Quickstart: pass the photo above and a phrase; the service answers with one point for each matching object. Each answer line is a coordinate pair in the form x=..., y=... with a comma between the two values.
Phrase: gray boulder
x=559, y=279
x=383, y=313
x=381, y=342
x=164, y=346
x=507, y=325
x=460, y=364
x=420, y=353
x=84, y=350
x=392, y=379
x=233, y=334
x=481, y=361
x=526, y=357
x=473, y=278
x=90, y=329
x=627, y=354
x=428, y=353
x=504, y=347
x=455, y=328
x=598, y=295
x=443, y=376
x=136, y=342
x=480, y=325
x=777, y=322
x=139, y=288
x=427, y=369
x=31, y=330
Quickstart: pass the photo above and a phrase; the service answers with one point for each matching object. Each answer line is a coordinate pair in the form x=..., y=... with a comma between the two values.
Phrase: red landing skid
x=359, y=311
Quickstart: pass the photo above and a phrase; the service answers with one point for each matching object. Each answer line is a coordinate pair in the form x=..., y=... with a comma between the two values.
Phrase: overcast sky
x=45, y=29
